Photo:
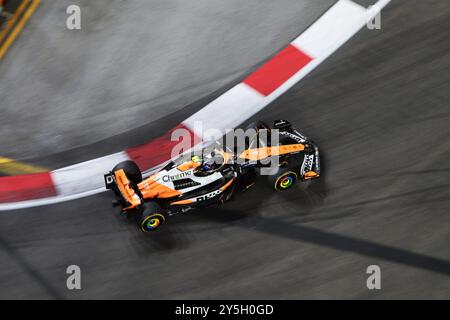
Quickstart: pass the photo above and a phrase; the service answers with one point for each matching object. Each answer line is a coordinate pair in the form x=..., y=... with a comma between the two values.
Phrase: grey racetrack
x=378, y=109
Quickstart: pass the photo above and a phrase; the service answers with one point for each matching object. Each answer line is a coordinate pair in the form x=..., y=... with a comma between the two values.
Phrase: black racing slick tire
x=131, y=169
x=150, y=218
x=284, y=179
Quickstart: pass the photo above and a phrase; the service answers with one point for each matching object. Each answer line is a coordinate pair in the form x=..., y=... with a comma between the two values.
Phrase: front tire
x=284, y=179
x=151, y=217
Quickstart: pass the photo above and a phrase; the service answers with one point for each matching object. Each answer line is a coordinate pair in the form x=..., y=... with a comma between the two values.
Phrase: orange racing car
x=213, y=175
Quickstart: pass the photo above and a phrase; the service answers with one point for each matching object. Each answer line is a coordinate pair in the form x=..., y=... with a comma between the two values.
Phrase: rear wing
x=111, y=184
x=110, y=181
x=125, y=194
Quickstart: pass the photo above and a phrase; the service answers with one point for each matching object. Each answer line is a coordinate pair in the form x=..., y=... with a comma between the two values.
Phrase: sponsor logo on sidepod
x=209, y=195
x=168, y=178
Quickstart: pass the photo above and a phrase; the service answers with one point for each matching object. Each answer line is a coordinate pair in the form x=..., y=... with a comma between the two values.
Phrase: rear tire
x=284, y=179
x=151, y=217
x=131, y=170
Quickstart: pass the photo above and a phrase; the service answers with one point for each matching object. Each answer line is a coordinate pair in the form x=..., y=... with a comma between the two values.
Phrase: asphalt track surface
x=378, y=109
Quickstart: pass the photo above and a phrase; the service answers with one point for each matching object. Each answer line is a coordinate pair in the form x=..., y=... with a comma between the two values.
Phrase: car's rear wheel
x=284, y=179
x=151, y=217
x=131, y=170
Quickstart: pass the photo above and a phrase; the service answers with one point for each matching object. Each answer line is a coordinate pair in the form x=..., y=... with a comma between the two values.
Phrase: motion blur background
x=378, y=109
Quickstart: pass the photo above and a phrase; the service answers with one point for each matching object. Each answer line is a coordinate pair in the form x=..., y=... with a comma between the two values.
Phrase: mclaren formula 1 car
x=213, y=174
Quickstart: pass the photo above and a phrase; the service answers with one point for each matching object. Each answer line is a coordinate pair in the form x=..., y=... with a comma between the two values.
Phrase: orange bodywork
x=187, y=201
x=227, y=185
x=188, y=165
x=127, y=191
x=311, y=175
x=152, y=189
x=149, y=188
x=261, y=153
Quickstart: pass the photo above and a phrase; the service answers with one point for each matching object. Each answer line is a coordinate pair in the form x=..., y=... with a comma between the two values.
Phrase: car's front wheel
x=284, y=179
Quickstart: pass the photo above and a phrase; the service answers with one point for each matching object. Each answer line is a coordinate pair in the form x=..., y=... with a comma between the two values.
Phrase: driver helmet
x=208, y=161
x=196, y=159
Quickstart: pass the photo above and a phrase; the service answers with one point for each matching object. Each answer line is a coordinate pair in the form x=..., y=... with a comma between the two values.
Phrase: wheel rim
x=285, y=181
x=152, y=222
